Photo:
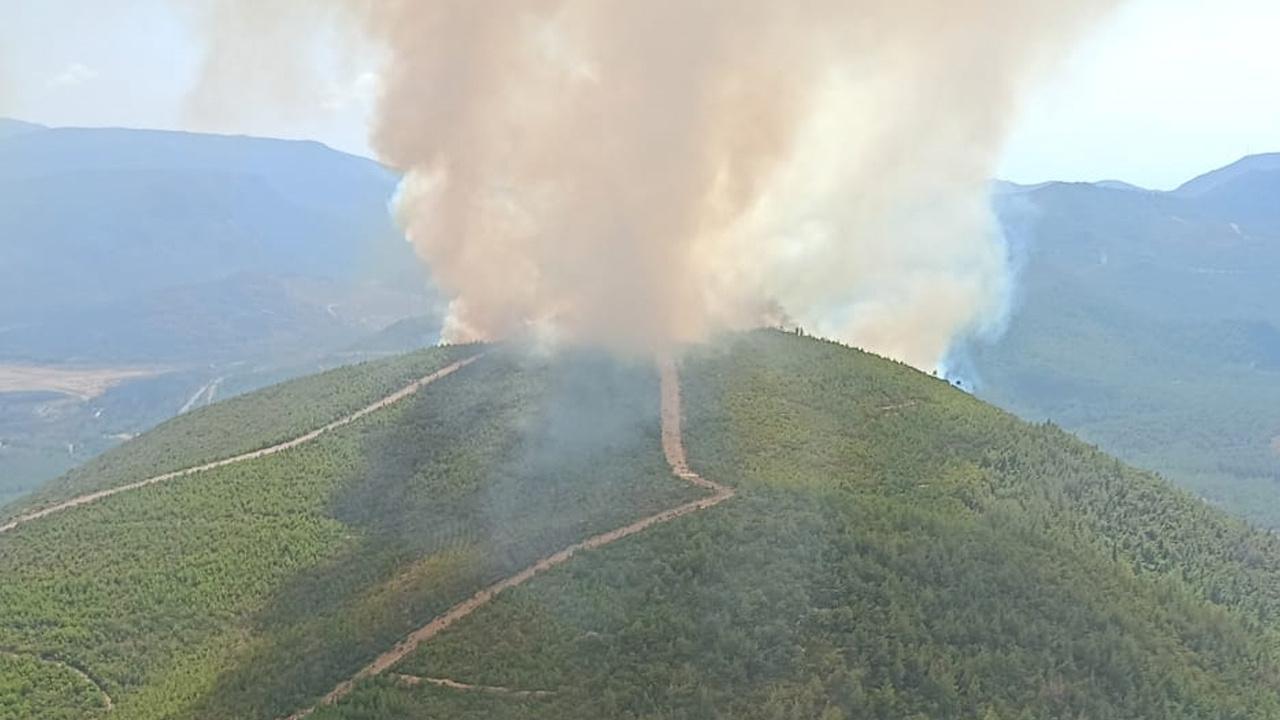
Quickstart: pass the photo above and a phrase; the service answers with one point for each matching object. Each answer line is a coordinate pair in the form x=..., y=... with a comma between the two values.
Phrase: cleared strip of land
x=412, y=680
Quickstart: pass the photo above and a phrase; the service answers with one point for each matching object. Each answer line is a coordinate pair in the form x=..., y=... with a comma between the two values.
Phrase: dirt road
x=412, y=680
x=287, y=445
x=207, y=393
x=672, y=447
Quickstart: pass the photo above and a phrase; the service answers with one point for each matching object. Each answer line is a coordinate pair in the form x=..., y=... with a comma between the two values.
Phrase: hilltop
x=851, y=538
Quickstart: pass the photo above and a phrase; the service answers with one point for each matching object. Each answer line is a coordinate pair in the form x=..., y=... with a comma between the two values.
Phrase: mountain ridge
x=10, y=127
x=1257, y=163
x=1249, y=164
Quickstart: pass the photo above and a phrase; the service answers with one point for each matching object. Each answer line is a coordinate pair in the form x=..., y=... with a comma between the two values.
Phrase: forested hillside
x=895, y=549
x=249, y=590
x=1148, y=322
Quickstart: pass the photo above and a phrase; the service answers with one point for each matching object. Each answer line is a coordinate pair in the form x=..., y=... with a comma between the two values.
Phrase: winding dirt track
x=672, y=447
x=110, y=705
x=412, y=680
x=389, y=400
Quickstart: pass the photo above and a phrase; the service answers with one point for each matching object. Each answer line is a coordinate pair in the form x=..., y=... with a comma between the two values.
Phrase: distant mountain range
x=207, y=258
x=118, y=220
x=1149, y=322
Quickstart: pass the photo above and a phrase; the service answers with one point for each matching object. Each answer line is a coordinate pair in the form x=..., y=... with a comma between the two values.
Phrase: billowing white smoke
x=642, y=173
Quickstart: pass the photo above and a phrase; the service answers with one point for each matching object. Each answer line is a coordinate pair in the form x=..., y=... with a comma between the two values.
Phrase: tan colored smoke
x=640, y=173
x=263, y=58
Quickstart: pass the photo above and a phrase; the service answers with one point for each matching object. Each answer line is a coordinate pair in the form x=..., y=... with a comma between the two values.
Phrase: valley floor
x=84, y=384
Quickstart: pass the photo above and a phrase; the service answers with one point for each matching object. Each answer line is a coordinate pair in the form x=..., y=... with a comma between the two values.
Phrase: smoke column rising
x=643, y=173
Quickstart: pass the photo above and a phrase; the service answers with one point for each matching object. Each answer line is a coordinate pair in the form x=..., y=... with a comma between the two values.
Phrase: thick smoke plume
x=642, y=173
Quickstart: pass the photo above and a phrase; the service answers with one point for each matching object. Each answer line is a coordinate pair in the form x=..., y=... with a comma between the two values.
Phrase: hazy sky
x=1164, y=91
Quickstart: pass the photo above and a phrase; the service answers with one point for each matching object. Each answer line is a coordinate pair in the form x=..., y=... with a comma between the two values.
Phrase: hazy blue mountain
x=223, y=259
x=1252, y=165
x=9, y=127
x=1119, y=185
x=162, y=245
x=1004, y=187
x=1149, y=322
x=95, y=215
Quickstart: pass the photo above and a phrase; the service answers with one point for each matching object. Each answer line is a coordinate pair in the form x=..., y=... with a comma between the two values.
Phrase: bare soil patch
x=82, y=383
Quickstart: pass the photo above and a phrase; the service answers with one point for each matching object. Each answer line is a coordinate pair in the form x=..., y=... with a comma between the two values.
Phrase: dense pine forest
x=896, y=549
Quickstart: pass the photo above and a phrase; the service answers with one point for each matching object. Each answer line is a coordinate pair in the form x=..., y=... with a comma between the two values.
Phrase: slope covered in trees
x=1148, y=323
x=249, y=590
x=895, y=549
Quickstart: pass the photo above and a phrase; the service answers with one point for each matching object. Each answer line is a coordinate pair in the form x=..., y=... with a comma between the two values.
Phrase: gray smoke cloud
x=644, y=173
